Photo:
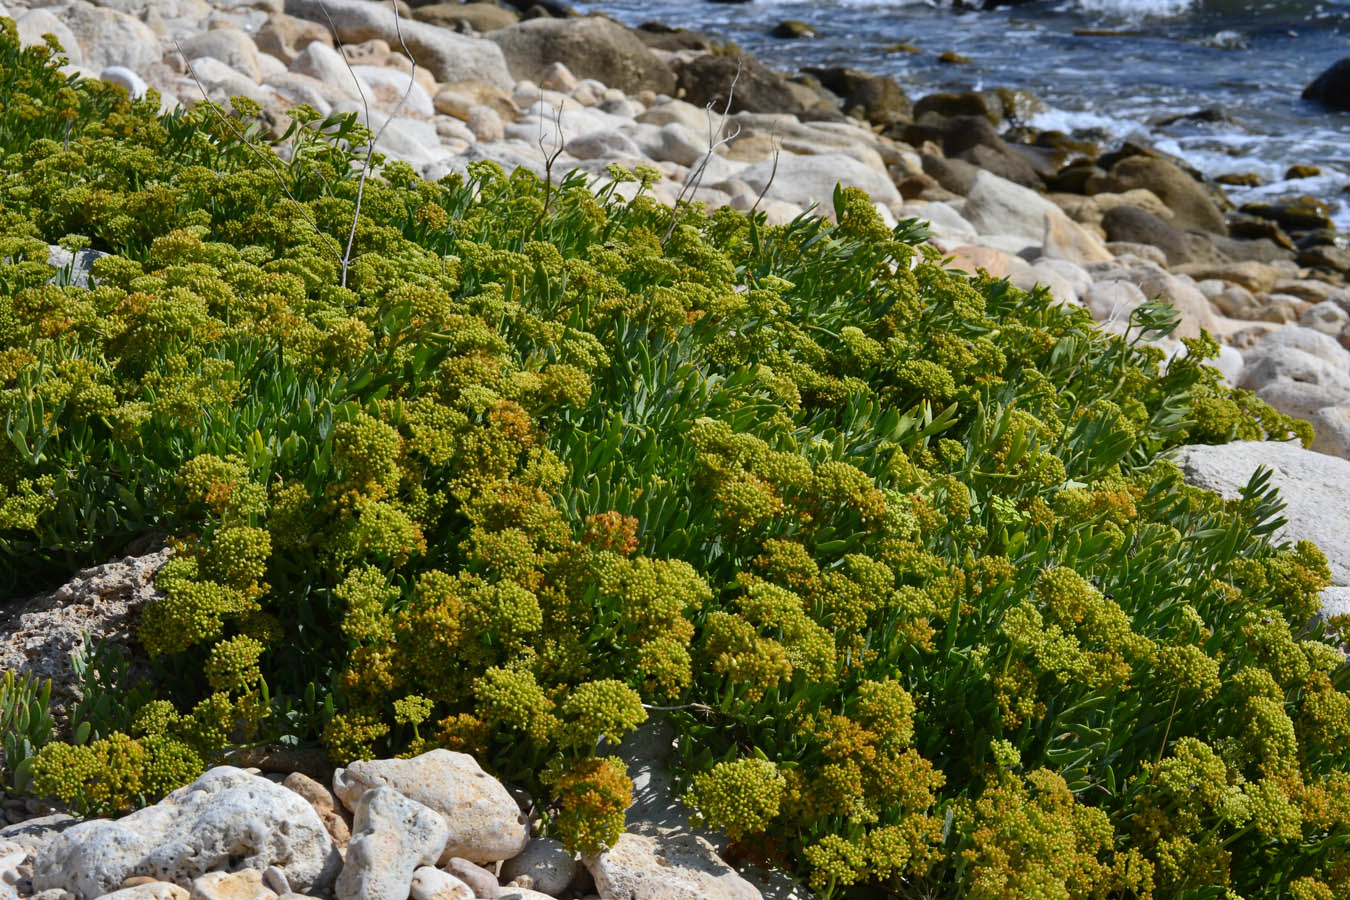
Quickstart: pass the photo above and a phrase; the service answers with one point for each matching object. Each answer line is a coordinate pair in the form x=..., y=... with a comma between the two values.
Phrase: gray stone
x=1326, y=317
x=326, y=65
x=448, y=56
x=1111, y=302
x=229, y=45
x=998, y=206
x=1315, y=487
x=666, y=866
x=392, y=837
x=1298, y=371
x=1331, y=427
x=590, y=47
x=150, y=890
x=103, y=602
x=807, y=180
x=221, y=82
x=111, y=38
x=286, y=36
x=72, y=268
x=391, y=89
x=603, y=145
x=485, y=124
x=549, y=864
x=225, y=817
x=246, y=884
x=485, y=825
x=37, y=22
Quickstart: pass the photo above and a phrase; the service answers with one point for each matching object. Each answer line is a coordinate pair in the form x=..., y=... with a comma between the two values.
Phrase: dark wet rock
x=1253, y=227
x=1294, y=214
x=877, y=98
x=1073, y=178
x=1130, y=224
x=1192, y=205
x=1005, y=162
x=955, y=134
x=1209, y=114
x=1301, y=171
x=758, y=88
x=1323, y=257
x=555, y=9
x=1058, y=140
x=1318, y=237
x=659, y=36
x=1332, y=87
x=962, y=103
x=1240, y=179
x=955, y=175
x=951, y=57
x=793, y=29
x=590, y=47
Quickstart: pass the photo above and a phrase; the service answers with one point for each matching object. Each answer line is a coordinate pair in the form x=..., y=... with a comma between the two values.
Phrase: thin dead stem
x=773, y=172
x=550, y=159
x=694, y=178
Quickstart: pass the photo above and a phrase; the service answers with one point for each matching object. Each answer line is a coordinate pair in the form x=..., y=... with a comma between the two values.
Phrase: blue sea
x=1158, y=58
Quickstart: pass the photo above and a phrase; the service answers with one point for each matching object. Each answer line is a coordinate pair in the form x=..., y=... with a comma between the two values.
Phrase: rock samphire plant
x=897, y=551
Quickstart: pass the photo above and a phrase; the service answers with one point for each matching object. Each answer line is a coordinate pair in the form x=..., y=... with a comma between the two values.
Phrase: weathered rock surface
x=392, y=837
x=245, y=884
x=449, y=56
x=37, y=636
x=666, y=866
x=1315, y=487
x=550, y=866
x=484, y=823
x=998, y=206
x=1332, y=87
x=429, y=883
x=591, y=47
x=227, y=817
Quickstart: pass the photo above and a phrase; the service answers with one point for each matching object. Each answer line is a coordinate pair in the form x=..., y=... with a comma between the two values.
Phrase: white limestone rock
x=225, y=817
x=392, y=837
x=485, y=824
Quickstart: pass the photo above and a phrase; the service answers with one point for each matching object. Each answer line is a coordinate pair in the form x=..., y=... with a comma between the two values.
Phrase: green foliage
x=25, y=723
x=898, y=550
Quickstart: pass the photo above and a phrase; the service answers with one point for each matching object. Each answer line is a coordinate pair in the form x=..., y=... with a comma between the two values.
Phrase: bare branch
x=370, y=148
x=773, y=172
x=694, y=178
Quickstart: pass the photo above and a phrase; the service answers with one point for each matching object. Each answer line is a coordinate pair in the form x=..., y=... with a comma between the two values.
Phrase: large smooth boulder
x=1190, y=203
x=285, y=36
x=38, y=22
x=549, y=865
x=448, y=56
x=998, y=206
x=807, y=180
x=1331, y=426
x=1332, y=87
x=229, y=45
x=1315, y=488
x=753, y=86
x=108, y=37
x=484, y=823
x=227, y=817
x=591, y=47
x=666, y=866
x=1064, y=238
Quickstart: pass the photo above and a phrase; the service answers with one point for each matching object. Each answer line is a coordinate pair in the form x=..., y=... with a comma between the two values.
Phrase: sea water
x=1109, y=69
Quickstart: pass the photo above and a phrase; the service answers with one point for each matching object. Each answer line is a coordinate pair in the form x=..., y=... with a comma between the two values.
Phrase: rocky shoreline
x=1103, y=228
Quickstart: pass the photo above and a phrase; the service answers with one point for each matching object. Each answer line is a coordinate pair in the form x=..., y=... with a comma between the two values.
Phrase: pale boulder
x=325, y=803
x=134, y=84
x=995, y=205
x=810, y=180
x=150, y=890
x=111, y=38
x=225, y=817
x=326, y=65
x=38, y=22
x=1312, y=485
x=482, y=882
x=1331, y=426
x=485, y=825
x=666, y=866
x=1065, y=239
x=485, y=124
x=449, y=56
x=229, y=45
x=392, y=90
x=392, y=837
x=1327, y=317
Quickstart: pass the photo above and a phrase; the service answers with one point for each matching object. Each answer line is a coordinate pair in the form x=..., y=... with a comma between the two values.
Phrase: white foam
x=1137, y=9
